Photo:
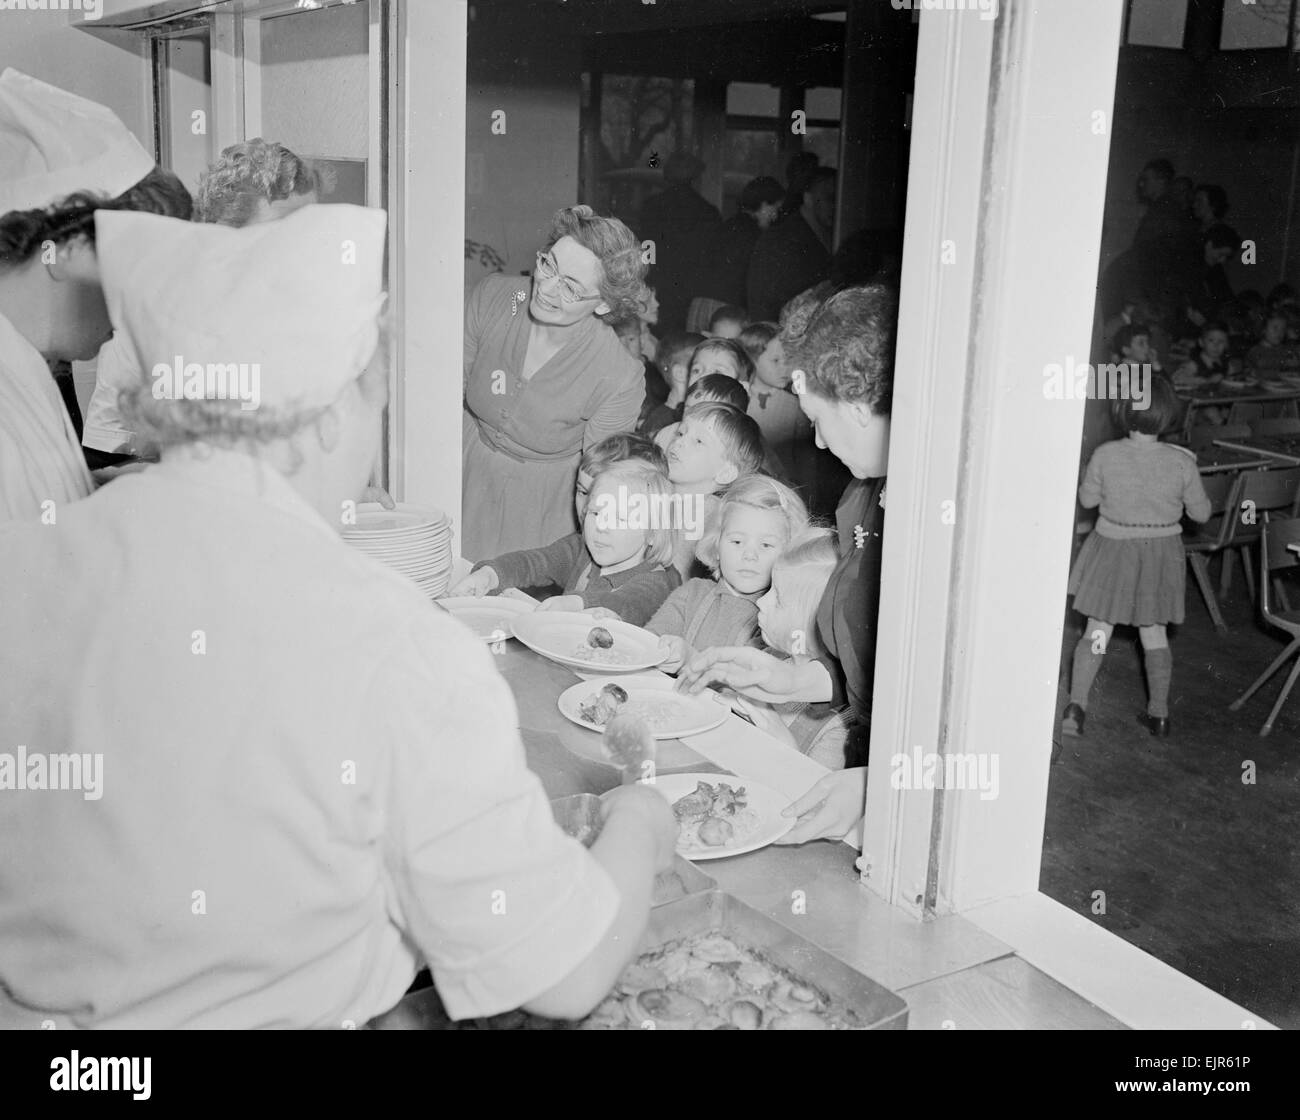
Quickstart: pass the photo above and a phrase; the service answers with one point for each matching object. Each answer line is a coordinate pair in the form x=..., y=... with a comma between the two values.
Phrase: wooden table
x=1221, y=457
x=1208, y=398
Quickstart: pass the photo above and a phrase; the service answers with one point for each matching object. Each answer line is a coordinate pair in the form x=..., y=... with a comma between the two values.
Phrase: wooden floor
x=1197, y=868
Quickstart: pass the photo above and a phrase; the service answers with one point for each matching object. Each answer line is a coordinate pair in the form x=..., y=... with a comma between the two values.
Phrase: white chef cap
x=53, y=143
x=299, y=297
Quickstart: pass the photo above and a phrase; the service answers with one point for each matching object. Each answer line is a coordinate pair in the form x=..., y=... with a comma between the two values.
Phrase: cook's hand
x=652, y=810
x=673, y=650
x=477, y=583
x=562, y=603
x=744, y=668
x=828, y=810
x=380, y=495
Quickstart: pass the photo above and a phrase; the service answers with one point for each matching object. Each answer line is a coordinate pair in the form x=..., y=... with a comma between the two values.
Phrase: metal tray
x=717, y=911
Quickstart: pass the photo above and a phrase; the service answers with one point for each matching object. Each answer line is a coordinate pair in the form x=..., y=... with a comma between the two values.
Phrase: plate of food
x=489, y=617
x=582, y=642
x=669, y=714
x=719, y=815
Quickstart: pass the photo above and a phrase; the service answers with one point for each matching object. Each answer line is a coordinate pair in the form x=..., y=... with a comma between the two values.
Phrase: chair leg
x=1279, y=589
x=1286, y=689
x=1225, y=572
x=1201, y=573
x=1250, y=572
x=1277, y=663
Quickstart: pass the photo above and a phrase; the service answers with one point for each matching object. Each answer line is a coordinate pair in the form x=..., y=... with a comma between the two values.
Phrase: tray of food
x=708, y=962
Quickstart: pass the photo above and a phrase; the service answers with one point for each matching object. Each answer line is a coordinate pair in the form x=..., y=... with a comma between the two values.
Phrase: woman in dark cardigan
x=846, y=355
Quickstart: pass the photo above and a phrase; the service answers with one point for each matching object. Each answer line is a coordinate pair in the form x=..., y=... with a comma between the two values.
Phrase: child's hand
x=562, y=603
x=828, y=810
x=477, y=583
x=673, y=649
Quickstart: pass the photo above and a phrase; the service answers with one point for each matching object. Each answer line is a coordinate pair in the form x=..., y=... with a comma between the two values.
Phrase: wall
x=107, y=66
x=516, y=181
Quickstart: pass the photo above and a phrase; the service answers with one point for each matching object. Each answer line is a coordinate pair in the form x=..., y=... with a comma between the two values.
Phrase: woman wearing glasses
x=545, y=378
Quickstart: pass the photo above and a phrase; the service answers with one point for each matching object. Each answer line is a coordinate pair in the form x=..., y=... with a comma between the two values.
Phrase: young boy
x=675, y=362
x=1272, y=355
x=714, y=446
x=720, y=355
x=786, y=430
x=713, y=388
x=728, y=322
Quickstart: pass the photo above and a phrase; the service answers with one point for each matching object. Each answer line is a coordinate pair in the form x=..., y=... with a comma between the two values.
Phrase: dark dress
x=850, y=608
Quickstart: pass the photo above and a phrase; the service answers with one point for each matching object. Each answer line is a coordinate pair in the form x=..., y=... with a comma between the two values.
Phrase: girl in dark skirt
x=1131, y=569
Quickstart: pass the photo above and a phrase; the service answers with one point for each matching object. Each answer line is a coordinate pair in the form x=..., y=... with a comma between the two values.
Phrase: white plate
x=763, y=800
x=488, y=617
x=559, y=634
x=691, y=714
x=372, y=518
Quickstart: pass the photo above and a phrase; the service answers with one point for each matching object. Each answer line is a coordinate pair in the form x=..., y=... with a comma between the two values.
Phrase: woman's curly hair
x=233, y=187
x=23, y=232
x=846, y=348
x=622, y=271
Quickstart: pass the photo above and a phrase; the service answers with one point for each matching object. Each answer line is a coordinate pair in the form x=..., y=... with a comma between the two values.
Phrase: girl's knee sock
x=1086, y=664
x=1160, y=672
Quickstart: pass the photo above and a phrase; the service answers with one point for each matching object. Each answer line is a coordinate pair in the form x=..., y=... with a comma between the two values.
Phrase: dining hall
x=593, y=693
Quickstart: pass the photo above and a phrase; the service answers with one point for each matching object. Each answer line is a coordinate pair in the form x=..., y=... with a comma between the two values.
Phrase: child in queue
x=619, y=564
x=728, y=321
x=1131, y=570
x=720, y=355
x=713, y=388
x=787, y=620
x=756, y=517
x=675, y=364
x=714, y=446
x=618, y=448
x=775, y=408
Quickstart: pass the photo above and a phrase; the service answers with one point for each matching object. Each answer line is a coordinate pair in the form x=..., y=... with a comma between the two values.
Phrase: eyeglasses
x=547, y=269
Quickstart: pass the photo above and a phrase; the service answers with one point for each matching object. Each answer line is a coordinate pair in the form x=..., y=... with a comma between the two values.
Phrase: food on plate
x=713, y=816
x=715, y=832
x=601, y=707
x=599, y=656
x=600, y=638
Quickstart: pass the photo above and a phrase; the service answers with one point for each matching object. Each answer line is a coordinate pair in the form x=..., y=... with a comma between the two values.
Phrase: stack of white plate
x=413, y=540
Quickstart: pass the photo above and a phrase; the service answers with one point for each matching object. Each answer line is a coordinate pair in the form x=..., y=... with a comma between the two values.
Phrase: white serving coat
x=311, y=778
x=40, y=458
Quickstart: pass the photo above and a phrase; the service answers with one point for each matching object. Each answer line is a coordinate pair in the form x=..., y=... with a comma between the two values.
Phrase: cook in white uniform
x=52, y=144
x=253, y=181
x=312, y=781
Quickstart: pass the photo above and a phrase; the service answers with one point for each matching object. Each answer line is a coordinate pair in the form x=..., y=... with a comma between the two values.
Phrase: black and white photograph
x=586, y=690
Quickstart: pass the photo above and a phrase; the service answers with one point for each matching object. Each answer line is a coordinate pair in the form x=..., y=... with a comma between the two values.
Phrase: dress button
x=504, y=413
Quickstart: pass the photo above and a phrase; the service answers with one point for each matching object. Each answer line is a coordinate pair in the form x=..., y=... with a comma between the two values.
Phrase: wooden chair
x=1283, y=427
x=1204, y=435
x=1271, y=491
x=1274, y=556
x=1212, y=537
